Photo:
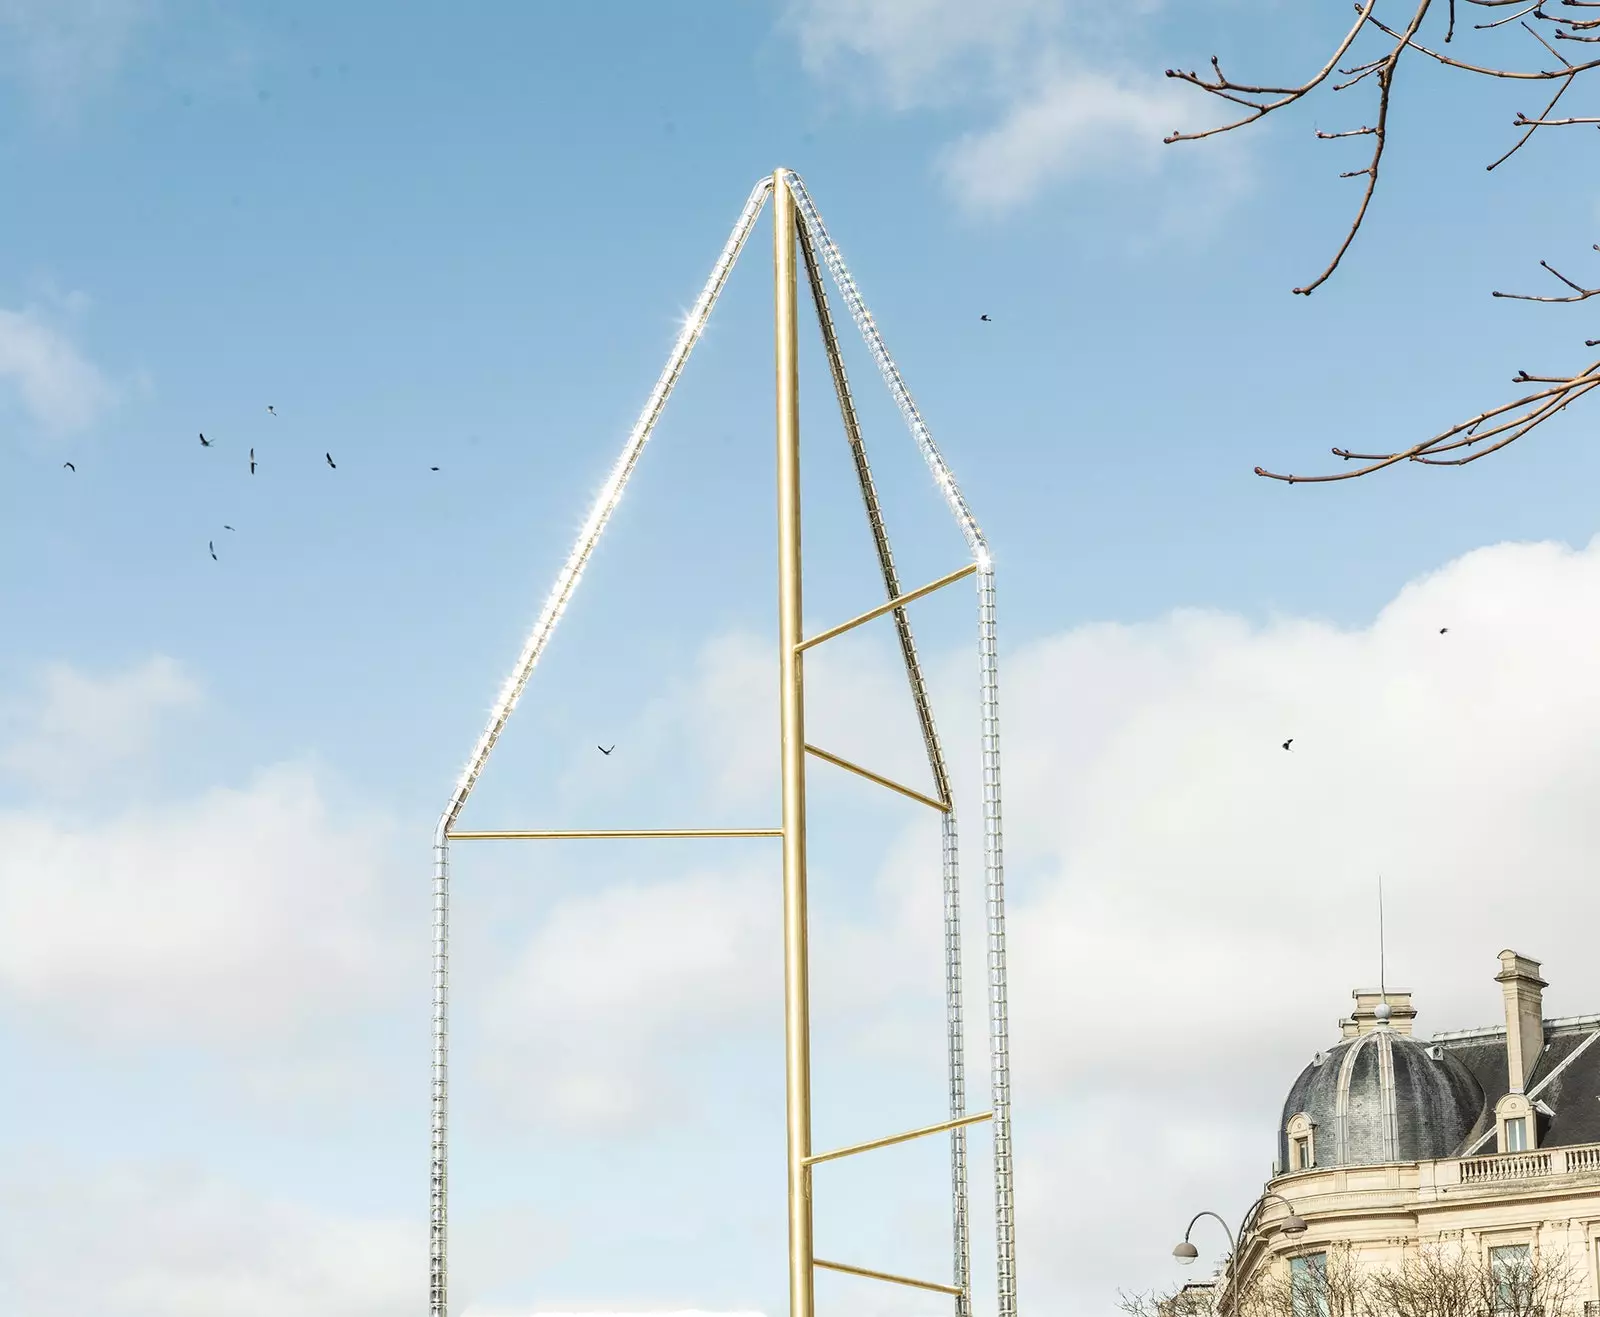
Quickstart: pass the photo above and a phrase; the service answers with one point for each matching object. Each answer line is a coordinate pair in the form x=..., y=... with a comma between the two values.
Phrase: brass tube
x=792, y=741
x=940, y=1128
x=955, y=1021
x=612, y=834
x=942, y=806
x=848, y=1270
x=899, y=601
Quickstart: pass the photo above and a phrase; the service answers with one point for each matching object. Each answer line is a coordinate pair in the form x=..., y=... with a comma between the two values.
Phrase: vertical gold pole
x=796, y=986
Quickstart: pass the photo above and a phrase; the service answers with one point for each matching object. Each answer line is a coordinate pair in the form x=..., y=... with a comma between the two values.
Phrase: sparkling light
x=690, y=328
x=555, y=604
x=988, y=683
x=606, y=501
x=846, y=284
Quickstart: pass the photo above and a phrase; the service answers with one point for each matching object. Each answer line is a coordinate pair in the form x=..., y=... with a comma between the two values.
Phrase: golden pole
x=796, y=987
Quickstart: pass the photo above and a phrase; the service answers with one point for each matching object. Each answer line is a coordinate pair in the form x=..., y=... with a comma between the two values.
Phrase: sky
x=360, y=242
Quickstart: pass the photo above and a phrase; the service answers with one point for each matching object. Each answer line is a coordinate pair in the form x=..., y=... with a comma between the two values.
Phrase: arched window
x=1302, y=1143
x=1517, y=1127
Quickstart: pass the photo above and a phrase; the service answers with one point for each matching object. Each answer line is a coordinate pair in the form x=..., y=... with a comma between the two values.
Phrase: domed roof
x=1382, y=1097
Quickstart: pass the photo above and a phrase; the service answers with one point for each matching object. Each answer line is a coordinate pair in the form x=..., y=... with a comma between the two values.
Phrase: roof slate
x=1572, y=1095
x=1431, y=1107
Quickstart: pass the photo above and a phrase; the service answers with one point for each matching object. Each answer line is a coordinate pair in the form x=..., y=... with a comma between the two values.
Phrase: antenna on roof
x=1382, y=1011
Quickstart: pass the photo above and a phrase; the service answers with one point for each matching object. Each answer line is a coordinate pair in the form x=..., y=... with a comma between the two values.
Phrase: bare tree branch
x=1232, y=91
x=1435, y=1280
x=1579, y=293
x=1525, y=414
x=1399, y=37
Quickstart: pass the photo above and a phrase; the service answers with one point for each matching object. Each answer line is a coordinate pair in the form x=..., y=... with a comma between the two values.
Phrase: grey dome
x=1383, y=1097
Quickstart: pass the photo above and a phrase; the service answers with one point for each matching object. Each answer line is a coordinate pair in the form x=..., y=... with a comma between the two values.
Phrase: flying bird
x=204, y=442
x=227, y=528
x=603, y=750
x=433, y=468
x=67, y=466
x=271, y=410
x=331, y=462
x=985, y=318
x=1288, y=743
x=1443, y=629
x=252, y=461
x=212, y=545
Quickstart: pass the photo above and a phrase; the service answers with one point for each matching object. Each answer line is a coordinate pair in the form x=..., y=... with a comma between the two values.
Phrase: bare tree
x=1370, y=55
x=1340, y=1288
x=1185, y=1301
x=1436, y=1282
x=1439, y=1280
x=1448, y=1281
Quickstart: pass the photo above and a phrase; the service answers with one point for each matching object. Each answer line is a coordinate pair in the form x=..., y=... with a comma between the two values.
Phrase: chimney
x=1364, y=1019
x=1524, y=993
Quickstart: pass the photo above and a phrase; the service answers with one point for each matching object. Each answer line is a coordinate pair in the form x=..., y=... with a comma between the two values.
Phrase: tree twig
x=1400, y=36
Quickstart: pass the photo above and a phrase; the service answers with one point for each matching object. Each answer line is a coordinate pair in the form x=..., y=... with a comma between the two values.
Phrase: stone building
x=1484, y=1138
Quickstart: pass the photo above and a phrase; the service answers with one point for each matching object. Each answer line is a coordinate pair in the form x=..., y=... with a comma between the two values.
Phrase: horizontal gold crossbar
x=882, y=781
x=899, y=1138
x=933, y=1285
x=610, y=834
x=897, y=602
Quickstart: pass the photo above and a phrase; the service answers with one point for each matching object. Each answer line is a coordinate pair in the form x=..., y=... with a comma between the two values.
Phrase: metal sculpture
x=797, y=227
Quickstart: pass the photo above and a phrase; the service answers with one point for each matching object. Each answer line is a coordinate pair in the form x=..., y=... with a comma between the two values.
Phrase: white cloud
x=1168, y=838
x=914, y=47
x=76, y=726
x=591, y=1025
x=857, y=705
x=1049, y=77
x=57, y=385
x=1074, y=122
x=616, y=984
x=141, y=1242
x=1191, y=906
x=228, y=916
x=60, y=49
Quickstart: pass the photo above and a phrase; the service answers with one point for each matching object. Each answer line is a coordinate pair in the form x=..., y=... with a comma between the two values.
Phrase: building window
x=1308, y=1285
x=1511, y=1269
x=1302, y=1140
x=1515, y=1116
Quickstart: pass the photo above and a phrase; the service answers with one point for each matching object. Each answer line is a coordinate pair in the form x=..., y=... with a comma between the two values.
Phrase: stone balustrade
x=1499, y=1167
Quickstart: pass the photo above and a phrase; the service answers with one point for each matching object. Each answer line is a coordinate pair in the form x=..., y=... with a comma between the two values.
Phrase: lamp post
x=1186, y=1252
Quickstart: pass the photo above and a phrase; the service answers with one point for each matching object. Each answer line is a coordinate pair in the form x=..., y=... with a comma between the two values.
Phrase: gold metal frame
x=797, y=228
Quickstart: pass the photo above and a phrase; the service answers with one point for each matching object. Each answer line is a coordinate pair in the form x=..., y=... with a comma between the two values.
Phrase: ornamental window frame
x=1516, y=1124
x=1302, y=1140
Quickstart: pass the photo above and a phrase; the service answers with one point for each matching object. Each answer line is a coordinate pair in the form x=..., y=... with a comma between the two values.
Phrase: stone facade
x=1486, y=1139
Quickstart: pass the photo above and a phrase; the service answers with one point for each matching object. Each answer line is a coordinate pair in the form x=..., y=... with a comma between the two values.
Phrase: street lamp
x=1185, y=1252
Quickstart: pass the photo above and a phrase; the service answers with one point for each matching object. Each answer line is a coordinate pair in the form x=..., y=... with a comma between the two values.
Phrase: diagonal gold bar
x=955, y=1035
x=943, y=806
x=889, y=1276
x=893, y=1139
x=609, y=834
x=899, y=601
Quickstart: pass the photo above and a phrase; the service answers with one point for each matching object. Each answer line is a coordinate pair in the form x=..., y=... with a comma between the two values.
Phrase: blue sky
x=465, y=240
